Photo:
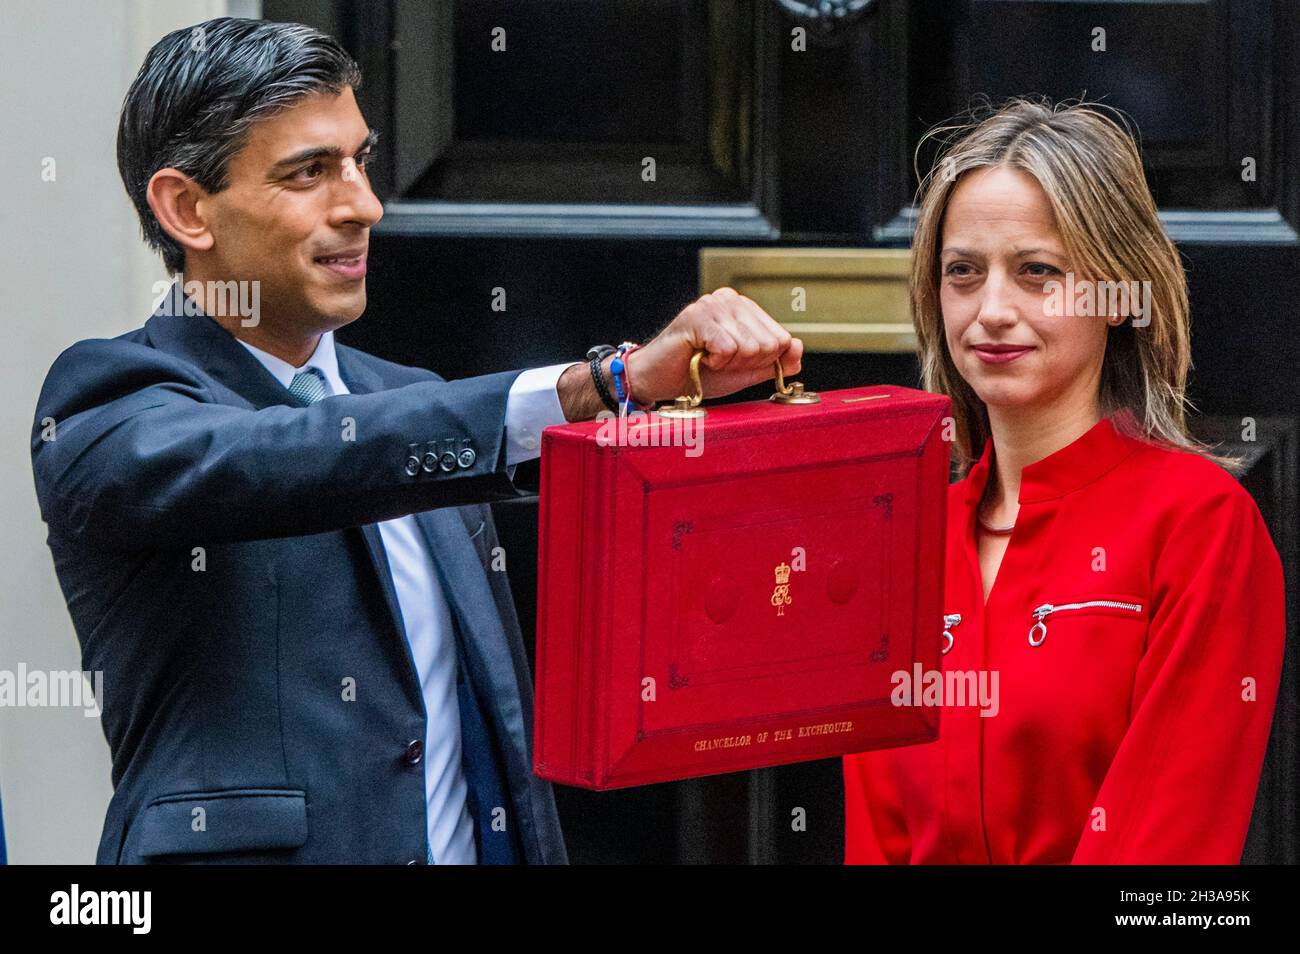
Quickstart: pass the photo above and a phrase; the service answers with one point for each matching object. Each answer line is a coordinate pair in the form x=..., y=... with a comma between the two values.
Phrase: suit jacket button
x=448, y=461
x=466, y=457
x=414, y=752
x=412, y=466
x=430, y=462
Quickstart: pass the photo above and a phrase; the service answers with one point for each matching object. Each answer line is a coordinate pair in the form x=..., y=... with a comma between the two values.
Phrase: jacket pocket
x=1129, y=607
x=246, y=819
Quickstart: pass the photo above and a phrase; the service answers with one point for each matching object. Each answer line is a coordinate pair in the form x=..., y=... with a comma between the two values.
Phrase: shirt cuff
x=532, y=405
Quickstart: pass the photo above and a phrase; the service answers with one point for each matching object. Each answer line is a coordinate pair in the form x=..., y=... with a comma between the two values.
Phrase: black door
x=559, y=173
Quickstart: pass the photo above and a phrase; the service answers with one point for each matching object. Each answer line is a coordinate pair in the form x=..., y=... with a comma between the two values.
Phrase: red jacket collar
x=1081, y=462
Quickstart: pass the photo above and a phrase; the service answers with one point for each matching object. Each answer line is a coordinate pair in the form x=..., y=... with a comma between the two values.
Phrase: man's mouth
x=349, y=265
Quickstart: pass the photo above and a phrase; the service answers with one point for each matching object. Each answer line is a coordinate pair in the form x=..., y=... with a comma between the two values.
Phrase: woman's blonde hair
x=1090, y=169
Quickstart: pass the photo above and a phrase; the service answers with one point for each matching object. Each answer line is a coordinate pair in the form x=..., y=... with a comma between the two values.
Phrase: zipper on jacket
x=1047, y=609
x=949, y=621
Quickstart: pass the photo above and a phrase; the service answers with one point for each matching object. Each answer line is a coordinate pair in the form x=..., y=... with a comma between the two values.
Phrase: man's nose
x=357, y=202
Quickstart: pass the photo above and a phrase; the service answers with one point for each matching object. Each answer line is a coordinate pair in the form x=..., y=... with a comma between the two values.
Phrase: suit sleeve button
x=412, y=466
x=430, y=462
x=466, y=457
x=448, y=461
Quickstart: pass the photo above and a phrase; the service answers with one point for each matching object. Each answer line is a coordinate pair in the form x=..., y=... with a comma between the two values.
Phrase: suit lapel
x=486, y=647
x=361, y=380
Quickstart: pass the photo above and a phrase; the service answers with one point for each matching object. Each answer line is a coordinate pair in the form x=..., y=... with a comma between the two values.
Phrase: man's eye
x=307, y=173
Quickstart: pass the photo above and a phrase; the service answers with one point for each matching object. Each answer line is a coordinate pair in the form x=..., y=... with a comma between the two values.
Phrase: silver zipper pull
x=949, y=620
x=1040, y=615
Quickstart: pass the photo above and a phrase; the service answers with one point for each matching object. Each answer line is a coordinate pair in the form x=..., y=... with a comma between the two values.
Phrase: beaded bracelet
x=616, y=371
x=623, y=379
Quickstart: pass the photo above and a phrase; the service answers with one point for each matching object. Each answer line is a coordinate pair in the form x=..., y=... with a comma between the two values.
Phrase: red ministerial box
x=739, y=595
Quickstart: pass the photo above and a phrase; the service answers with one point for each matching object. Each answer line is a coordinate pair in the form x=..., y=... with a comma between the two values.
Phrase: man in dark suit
x=276, y=548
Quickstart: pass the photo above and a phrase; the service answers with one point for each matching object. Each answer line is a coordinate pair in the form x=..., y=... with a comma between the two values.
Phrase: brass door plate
x=854, y=299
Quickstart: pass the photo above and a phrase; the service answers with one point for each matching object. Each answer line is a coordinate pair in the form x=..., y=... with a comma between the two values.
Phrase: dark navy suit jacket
x=216, y=545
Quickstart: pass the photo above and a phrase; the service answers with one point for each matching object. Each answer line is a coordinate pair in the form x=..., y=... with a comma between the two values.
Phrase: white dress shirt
x=532, y=404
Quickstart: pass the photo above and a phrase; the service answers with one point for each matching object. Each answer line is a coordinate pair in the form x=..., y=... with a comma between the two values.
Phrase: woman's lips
x=1000, y=356
x=351, y=269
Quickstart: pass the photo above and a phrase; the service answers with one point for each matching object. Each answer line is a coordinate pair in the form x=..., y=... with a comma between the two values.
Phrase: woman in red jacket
x=1119, y=581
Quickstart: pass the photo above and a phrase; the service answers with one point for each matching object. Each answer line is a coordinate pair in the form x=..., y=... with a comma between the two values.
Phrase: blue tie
x=309, y=386
x=484, y=774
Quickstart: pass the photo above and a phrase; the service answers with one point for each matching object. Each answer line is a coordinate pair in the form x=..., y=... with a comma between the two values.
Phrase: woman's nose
x=996, y=307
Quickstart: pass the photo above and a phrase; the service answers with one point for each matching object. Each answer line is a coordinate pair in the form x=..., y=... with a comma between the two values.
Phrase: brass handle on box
x=688, y=405
x=792, y=393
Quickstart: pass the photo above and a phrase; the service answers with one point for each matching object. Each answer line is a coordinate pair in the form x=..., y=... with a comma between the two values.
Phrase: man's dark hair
x=199, y=91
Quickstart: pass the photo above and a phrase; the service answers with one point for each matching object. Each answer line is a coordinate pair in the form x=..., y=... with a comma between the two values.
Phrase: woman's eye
x=1042, y=269
x=957, y=270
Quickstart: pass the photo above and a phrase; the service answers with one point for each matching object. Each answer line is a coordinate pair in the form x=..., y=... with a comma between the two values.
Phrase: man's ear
x=174, y=198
